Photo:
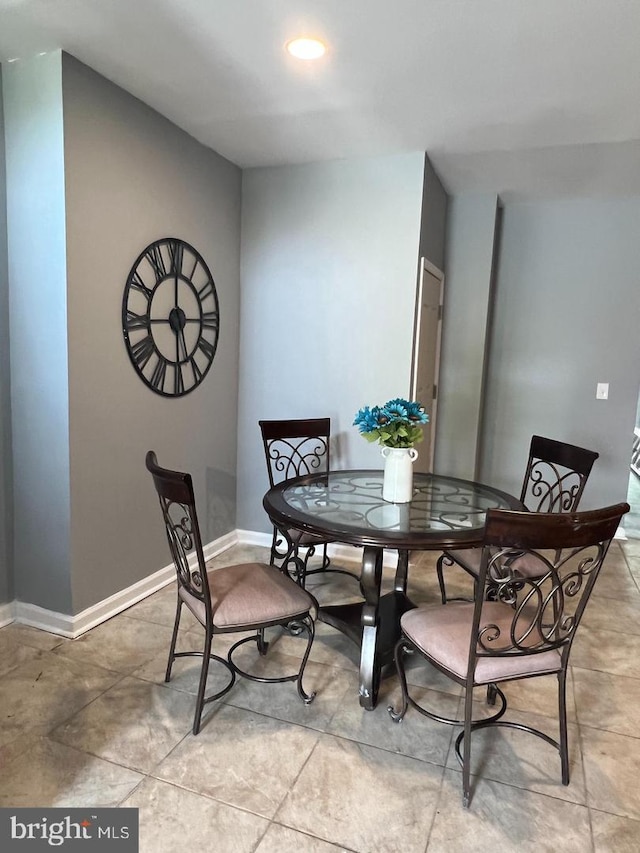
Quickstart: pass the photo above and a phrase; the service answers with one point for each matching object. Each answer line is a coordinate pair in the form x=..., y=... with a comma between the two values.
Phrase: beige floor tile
x=51, y=774
x=365, y=799
x=330, y=647
x=173, y=819
x=416, y=736
x=612, y=614
x=282, y=701
x=13, y=653
x=33, y=637
x=281, y=839
x=606, y=701
x=161, y=608
x=504, y=820
x=239, y=554
x=537, y=694
x=523, y=760
x=135, y=724
x=121, y=644
x=42, y=693
x=613, y=834
x=185, y=673
x=240, y=758
x=606, y=651
x=615, y=580
x=612, y=766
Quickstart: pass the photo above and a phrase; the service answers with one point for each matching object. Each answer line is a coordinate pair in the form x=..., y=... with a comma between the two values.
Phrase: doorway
x=425, y=360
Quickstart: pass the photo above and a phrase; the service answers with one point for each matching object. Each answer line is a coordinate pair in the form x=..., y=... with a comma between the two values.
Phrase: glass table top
x=349, y=505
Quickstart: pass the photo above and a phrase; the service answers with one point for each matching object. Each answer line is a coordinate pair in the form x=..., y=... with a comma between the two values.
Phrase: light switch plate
x=602, y=391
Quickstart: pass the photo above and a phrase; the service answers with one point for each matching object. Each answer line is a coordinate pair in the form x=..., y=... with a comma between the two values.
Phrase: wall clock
x=170, y=317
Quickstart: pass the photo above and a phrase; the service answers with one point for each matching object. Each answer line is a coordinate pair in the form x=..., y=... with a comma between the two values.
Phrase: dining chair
x=554, y=481
x=236, y=598
x=528, y=627
x=293, y=448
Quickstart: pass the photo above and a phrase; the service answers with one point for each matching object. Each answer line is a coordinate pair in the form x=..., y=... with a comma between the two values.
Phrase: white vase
x=397, y=484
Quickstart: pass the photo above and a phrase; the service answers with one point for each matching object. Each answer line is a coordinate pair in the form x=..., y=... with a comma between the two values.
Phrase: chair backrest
x=295, y=447
x=545, y=606
x=177, y=501
x=556, y=475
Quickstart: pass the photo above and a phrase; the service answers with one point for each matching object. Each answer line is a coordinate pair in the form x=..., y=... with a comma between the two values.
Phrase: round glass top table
x=347, y=506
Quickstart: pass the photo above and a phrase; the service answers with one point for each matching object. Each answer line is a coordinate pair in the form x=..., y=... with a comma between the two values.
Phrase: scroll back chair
x=526, y=630
x=554, y=481
x=293, y=448
x=246, y=597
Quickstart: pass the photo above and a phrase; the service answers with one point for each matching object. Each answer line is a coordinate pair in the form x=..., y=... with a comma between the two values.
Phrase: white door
x=426, y=355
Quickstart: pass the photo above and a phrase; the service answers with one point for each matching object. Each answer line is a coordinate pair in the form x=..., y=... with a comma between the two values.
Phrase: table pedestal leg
x=370, y=581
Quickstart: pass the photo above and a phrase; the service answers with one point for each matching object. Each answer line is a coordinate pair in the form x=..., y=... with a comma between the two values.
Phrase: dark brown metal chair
x=554, y=481
x=293, y=448
x=528, y=626
x=247, y=597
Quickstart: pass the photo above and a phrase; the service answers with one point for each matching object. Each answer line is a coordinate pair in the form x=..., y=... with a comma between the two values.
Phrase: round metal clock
x=170, y=317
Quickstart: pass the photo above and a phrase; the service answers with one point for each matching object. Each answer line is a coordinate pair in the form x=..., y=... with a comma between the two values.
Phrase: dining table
x=347, y=506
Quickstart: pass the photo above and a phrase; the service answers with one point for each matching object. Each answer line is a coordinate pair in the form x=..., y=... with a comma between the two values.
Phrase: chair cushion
x=527, y=566
x=443, y=633
x=249, y=594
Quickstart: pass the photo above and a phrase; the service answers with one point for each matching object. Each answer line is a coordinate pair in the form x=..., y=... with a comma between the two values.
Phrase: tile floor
x=89, y=722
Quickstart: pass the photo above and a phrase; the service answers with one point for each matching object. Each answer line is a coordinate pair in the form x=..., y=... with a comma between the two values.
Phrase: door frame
x=432, y=269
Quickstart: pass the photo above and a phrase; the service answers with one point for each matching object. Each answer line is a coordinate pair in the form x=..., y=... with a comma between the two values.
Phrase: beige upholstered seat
x=249, y=597
x=247, y=594
x=554, y=481
x=535, y=578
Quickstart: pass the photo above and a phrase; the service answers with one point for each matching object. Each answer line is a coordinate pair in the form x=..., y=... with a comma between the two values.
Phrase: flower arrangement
x=396, y=424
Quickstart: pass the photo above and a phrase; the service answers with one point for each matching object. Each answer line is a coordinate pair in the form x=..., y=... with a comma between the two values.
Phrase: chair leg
x=174, y=637
x=274, y=547
x=307, y=698
x=466, y=747
x=203, y=682
x=261, y=643
x=443, y=560
x=398, y=716
x=562, y=717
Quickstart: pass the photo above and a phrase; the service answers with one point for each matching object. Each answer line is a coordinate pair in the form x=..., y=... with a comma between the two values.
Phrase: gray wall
x=82, y=204
x=566, y=317
x=329, y=261
x=471, y=224
x=131, y=178
x=6, y=501
x=38, y=321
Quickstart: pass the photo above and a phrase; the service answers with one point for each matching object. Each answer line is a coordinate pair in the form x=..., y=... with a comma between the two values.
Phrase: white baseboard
x=73, y=626
x=253, y=537
x=7, y=614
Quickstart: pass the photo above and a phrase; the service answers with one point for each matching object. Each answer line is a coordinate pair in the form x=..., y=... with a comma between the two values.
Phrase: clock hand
x=184, y=343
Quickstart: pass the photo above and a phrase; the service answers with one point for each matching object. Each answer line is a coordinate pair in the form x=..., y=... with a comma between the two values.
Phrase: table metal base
x=374, y=624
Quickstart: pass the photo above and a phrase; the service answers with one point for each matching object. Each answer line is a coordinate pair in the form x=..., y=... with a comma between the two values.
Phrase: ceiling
x=526, y=98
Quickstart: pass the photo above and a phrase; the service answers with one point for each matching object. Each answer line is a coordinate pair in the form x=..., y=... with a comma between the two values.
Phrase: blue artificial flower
x=367, y=419
x=396, y=410
x=396, y=424
x=416, y=413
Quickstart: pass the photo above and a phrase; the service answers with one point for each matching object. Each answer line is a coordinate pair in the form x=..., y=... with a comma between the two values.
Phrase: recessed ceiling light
x=306, y=48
